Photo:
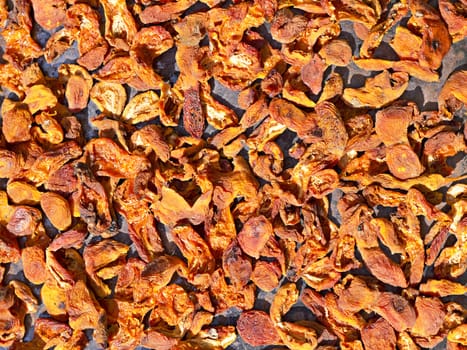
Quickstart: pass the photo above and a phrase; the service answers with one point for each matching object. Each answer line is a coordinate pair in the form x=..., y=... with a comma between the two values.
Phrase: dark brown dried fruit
x=193, y=115
x=236, y=265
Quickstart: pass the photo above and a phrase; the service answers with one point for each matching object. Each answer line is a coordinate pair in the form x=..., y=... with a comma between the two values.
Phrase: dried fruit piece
x=109, y=159
x=9, y=251
x=193, y=115
x=387, y=235
x=120, y=26
x=85, y=312
x=49, y=15
x=58, y=43
x=377, y=31
x=23, y=193
x=152, y=139
x=173, y=207
x=39, y=98
x=150, y=42
x=293, y=335
x=110, y=98
x=430, y=316
x=286, y=26
x=236, y=265
x=194, y=249
x=93, y=202
x=20, y=48
x=24, y=294
x=266, y=275
x=355, y=294
x=217, y=114
x=442, y=288
x=392, y=123
x=225, y=296
x=98, y=256
x=10, y=163
x=382, y=267
x=454, y=16
x=312, y=73
x=453, y=96
x=58, y=334
x=254, y=235
x=141, y=108
x=458, y=335
x=48, y=129
x=403, y=162
x=396, y=310
x=34, y=266
x=336, y=52
x=256, y=328
x=78, y=86
x=84, y=20
x=165, y=12
x=436, y=41
x=441, y=146
x=57, y=210
x=406, y=43
x=16, y=121
x=378, y=91
x=379, y=335
x=24, y=220
x=405, y=342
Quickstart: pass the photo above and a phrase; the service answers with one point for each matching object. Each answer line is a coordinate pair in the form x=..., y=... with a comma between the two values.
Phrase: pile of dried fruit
x=222, y=210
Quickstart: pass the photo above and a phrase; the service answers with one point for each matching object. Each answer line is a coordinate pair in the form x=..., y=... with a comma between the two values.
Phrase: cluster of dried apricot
x=243, y=211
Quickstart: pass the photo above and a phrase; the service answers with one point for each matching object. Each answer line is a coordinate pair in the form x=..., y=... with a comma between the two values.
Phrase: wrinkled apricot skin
x=254, y=235
x=377, y=91
x=209, y=175
x=257, y=329
x=193, y=118
x=57, y=210
x=403, y=162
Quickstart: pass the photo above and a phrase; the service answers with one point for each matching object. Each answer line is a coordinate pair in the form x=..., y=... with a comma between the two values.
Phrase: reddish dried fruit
x=336, y=52
x=236, y=265
x=254, y=235
x=9, y=247
x=392, y=123
x=256, y=328
x=430, y=317
x=193, y=115
x=379, y=335
x=24, y=221
x=241, y=207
